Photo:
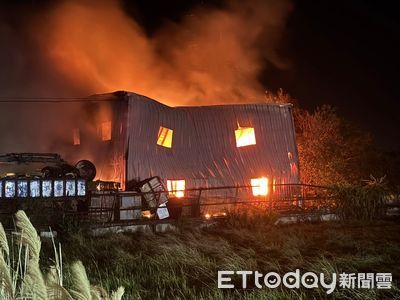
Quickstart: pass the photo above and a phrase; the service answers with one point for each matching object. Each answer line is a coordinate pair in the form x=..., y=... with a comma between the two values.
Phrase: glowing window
x=165, y=137
x=176, y=188
x=76, y=136
x=259, y=186
x=105, y=131
x=245, y=136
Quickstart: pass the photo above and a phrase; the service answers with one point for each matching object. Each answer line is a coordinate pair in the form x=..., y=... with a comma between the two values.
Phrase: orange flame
x=214, y=55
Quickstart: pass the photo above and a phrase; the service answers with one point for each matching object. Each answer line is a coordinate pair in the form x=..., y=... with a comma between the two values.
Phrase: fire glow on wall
x=105, y=131
x=176, y=188
x=259, y=186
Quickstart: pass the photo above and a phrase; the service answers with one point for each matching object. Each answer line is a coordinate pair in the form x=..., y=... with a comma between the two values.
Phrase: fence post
x=236, y=195
x=270, y=194
x=196, y=205
x=117, y=207
x=302, y=196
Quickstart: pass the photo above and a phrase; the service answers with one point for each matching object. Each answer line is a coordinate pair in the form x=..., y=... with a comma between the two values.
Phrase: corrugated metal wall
x=204, y=151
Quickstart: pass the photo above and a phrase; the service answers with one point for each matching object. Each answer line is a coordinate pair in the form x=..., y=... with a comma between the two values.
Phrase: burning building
x=130, y=137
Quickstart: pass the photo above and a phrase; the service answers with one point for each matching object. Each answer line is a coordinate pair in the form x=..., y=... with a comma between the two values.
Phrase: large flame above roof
x=211, y=56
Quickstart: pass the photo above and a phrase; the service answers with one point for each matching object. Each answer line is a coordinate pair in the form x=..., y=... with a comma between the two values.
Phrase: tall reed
x=22, y=278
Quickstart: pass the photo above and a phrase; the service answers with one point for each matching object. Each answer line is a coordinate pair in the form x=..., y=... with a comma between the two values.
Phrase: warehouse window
x=105, y=131
x=259, y=186
x=176, y=188
x=165, y=137
x=245, y=136
x=76, y=136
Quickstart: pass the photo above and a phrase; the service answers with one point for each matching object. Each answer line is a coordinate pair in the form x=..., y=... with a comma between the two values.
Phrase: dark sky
x=345, y=53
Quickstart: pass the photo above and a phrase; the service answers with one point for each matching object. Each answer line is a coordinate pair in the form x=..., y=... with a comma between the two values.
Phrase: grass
x=184, y=264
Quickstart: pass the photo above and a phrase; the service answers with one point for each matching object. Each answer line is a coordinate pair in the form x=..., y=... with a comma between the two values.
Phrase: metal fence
x=109, y=207
x=116, y=207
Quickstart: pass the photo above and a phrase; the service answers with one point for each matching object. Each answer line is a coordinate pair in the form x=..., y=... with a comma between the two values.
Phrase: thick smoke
x=78, y=48
x=85, y=47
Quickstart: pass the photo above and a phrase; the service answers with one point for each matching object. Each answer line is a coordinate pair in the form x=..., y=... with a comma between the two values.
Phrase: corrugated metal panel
x=204, y=147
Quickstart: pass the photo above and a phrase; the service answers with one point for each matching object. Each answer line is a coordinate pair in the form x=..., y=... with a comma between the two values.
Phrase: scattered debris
x=304, y=218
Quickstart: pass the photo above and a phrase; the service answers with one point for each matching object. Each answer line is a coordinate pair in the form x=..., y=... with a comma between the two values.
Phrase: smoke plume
x=77, y=48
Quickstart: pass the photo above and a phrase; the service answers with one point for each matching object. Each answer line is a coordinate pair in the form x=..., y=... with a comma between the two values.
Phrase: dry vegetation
x=21, y=276
x=184, y=264
x=331, y=149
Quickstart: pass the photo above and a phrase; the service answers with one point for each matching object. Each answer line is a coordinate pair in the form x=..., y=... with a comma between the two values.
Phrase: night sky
x=343, y=53
x=346, y=53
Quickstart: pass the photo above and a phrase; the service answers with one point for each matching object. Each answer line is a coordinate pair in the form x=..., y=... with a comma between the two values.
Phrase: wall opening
x=259, y=186
x=245, y=136
x=165, y=137
x=76, y=135
x=176, y=188
x=105, y=131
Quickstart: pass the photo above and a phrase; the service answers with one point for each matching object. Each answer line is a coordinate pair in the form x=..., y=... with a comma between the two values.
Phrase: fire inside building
x=130, y=138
